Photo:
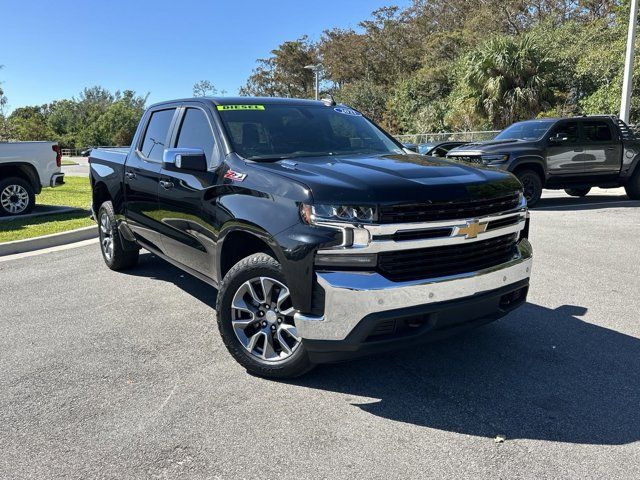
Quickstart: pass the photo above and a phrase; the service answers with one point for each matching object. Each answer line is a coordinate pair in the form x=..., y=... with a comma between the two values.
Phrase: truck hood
x=489, y=146
x=392, y=179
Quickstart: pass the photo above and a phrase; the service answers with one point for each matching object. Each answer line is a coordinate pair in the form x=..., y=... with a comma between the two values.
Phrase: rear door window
x=195, y=132
x=155, y=137
x=596, y=132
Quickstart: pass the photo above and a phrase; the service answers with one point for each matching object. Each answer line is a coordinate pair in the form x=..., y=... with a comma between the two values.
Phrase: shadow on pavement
x=537, y=374
x=585, y=203
x=151, y=266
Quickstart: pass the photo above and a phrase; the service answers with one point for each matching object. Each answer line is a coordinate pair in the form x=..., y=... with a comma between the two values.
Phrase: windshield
x=271, y=132
x=530, y=130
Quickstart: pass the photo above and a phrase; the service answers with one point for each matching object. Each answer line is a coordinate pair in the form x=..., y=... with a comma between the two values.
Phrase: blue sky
x=52, y=49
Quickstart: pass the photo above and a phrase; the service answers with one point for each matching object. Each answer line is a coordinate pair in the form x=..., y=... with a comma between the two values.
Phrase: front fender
x=528, y=159
x=276, y=222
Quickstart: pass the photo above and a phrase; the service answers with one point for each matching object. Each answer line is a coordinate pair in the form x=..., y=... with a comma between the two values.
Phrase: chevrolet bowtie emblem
x=473, y=228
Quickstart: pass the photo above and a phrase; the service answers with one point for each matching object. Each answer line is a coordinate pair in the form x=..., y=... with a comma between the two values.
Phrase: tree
x=96, y=117
x=30, y=123
x=204, y=88
x=367, y=97
x=510, y=78
x=283, y=74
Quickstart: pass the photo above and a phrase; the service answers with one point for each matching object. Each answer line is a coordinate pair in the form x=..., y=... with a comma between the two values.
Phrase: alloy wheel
x=14, y=199
x=529, y=188
x=106, y=236
x=262, y=319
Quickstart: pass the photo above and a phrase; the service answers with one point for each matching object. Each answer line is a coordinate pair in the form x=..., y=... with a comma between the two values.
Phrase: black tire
x=14, y=192
x=532, y=184
x=578, y=192
x=247, y=270
x=123, y=253
x=633, y=186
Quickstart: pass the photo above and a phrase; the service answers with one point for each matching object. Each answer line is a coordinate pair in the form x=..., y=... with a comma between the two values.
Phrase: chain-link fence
x=418, y=138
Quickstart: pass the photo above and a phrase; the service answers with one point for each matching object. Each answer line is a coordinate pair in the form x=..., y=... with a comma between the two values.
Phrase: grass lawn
x=76, y=192
x=68, y=162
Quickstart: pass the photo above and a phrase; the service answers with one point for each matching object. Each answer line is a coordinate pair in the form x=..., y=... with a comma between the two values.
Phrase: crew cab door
x=142, y=176
x=186, y=237
x=564, y=154
x=602, y=148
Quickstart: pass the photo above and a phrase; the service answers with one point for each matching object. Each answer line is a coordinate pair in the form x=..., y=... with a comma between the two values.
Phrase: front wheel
x=577, y=192
x=255, y=319
x=532, y=184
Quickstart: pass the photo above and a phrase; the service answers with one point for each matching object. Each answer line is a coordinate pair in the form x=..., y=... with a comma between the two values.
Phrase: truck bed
x=111, y=155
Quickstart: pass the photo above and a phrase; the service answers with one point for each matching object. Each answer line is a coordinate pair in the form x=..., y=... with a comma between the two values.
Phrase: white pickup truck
x=26, y=168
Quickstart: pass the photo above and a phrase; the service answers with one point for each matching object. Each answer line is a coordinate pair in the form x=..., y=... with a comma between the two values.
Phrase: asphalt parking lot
x=79, y=170
x=123, y=375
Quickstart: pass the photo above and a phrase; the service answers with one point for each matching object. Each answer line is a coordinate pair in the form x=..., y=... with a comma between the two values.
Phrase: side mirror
x=184, y=159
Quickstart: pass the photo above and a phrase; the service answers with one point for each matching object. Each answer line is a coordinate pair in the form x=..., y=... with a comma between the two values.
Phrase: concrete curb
x=48, y=241
x=52, y=210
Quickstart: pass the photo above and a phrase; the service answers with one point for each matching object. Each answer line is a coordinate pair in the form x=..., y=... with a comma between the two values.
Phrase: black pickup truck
x=574, y=154
x=324, y=238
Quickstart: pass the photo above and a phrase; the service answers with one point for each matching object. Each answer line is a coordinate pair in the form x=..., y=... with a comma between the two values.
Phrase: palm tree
x=510, y=79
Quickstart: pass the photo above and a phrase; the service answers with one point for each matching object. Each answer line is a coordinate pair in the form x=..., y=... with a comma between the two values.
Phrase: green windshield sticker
x=240, y=107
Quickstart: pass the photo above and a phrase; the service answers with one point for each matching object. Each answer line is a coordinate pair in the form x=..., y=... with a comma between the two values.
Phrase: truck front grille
x=435, y=262
x=427, y=212
x=477, y=159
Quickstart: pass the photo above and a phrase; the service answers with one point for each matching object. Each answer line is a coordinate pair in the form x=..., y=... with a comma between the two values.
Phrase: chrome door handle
x=166, y=185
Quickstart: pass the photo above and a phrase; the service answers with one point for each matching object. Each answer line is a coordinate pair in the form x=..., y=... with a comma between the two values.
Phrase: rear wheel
x=578, y=192
x=532, y=184
x=633, y=187
x=255, y=319
x=112, y=245
x=17, y=196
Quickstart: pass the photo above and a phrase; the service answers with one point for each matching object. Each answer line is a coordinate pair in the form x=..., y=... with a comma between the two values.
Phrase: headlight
x=340, y=213
x=495, y=158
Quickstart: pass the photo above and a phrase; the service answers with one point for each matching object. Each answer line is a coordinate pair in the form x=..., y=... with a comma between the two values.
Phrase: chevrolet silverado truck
x=25, y=169
x=574, y=154
x=324, y=238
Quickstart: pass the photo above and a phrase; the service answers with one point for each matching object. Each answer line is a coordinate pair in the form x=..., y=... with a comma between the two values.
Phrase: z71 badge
x=235, y=176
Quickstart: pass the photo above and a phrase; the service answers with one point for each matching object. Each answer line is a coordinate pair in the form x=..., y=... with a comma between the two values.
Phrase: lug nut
x=264, y=324
x=260, y=314
x=273, y=327
x=279, y=320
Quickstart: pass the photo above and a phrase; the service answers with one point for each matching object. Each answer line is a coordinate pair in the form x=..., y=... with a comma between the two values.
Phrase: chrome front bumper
x=351, y=296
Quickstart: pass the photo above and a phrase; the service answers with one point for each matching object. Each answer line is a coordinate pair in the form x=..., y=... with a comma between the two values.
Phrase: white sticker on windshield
x=347, y=111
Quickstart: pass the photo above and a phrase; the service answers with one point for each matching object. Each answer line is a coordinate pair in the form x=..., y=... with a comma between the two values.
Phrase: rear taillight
x=56, y=149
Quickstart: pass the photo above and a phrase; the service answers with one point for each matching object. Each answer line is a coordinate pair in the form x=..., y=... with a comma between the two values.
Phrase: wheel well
x=100, y=195
x=536, y=167
x=26, y=171
x=238, y=245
